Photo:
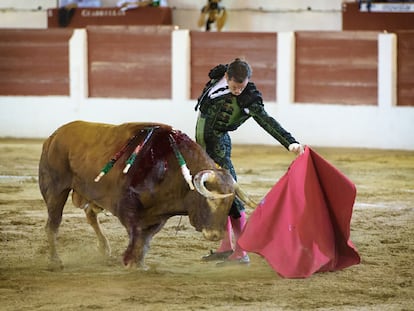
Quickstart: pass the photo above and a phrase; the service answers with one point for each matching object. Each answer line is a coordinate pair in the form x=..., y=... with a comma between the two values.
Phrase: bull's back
x=62, y=148
x=76, y=152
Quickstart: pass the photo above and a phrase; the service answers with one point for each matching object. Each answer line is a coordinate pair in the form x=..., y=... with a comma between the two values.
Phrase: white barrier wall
x=384, y=126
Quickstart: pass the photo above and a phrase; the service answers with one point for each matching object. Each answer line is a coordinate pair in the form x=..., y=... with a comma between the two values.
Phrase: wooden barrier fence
x=405, y=68
x=136, y=62
x=34, y=62
x=129, y=62
x=336, y=67
x=211, y=48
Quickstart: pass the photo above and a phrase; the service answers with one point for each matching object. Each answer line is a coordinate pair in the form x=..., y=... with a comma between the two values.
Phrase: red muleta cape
x=302, y=225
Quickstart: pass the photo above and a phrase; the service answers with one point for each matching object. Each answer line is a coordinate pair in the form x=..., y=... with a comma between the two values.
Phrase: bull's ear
x=208, y=176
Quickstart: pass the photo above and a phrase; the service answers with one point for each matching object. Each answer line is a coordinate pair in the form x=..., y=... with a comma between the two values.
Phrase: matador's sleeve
x=253, y=104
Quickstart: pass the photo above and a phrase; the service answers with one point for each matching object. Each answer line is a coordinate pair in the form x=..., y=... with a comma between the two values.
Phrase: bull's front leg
x=139, y=244
x=135, y=252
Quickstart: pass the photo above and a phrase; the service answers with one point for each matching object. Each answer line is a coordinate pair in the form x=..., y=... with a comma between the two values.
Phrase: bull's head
x=219, y=190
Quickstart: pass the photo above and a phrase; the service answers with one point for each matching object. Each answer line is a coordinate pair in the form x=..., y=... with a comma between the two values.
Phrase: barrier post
x=387, y=70
x=180, y=65
x=78, y=66
x=285, y=67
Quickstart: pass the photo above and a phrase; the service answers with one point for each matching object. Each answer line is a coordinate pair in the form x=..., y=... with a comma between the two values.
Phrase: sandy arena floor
x=382, y=229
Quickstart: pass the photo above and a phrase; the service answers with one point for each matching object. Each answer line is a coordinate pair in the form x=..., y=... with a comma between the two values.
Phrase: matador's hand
x=296, y=148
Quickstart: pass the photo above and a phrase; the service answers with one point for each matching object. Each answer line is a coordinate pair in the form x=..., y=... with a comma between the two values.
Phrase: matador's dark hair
x=239, y=70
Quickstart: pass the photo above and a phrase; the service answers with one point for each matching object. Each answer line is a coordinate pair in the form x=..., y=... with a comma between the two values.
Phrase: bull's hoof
x=105, y=250
x=130, y=265
x=55, y=265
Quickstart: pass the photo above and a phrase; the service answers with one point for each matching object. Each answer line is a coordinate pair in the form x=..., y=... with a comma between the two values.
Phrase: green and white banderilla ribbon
x=133, y=156
x=184, y=169
x=108, y=166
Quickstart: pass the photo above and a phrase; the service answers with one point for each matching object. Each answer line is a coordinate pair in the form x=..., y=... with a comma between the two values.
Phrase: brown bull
x=143, y=197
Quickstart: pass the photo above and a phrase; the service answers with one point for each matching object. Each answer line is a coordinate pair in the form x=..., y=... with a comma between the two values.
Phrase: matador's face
x=235, y=87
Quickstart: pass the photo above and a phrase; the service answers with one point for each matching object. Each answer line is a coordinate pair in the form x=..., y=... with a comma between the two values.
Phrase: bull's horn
x=207, y=175
x=243, y=196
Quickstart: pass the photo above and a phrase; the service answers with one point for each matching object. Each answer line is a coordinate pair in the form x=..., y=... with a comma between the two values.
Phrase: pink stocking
x=238, y=225
x=226, y=243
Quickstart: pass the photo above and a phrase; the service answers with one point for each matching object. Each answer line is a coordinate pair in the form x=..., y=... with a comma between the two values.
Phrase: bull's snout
x=213, y=235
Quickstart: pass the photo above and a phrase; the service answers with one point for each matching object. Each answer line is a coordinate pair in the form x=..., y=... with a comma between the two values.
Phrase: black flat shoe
x=217, y=255
x=232, y=262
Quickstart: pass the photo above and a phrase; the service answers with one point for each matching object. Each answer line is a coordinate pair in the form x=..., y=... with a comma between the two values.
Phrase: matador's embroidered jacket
x=223, y=113
x=227, y=112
